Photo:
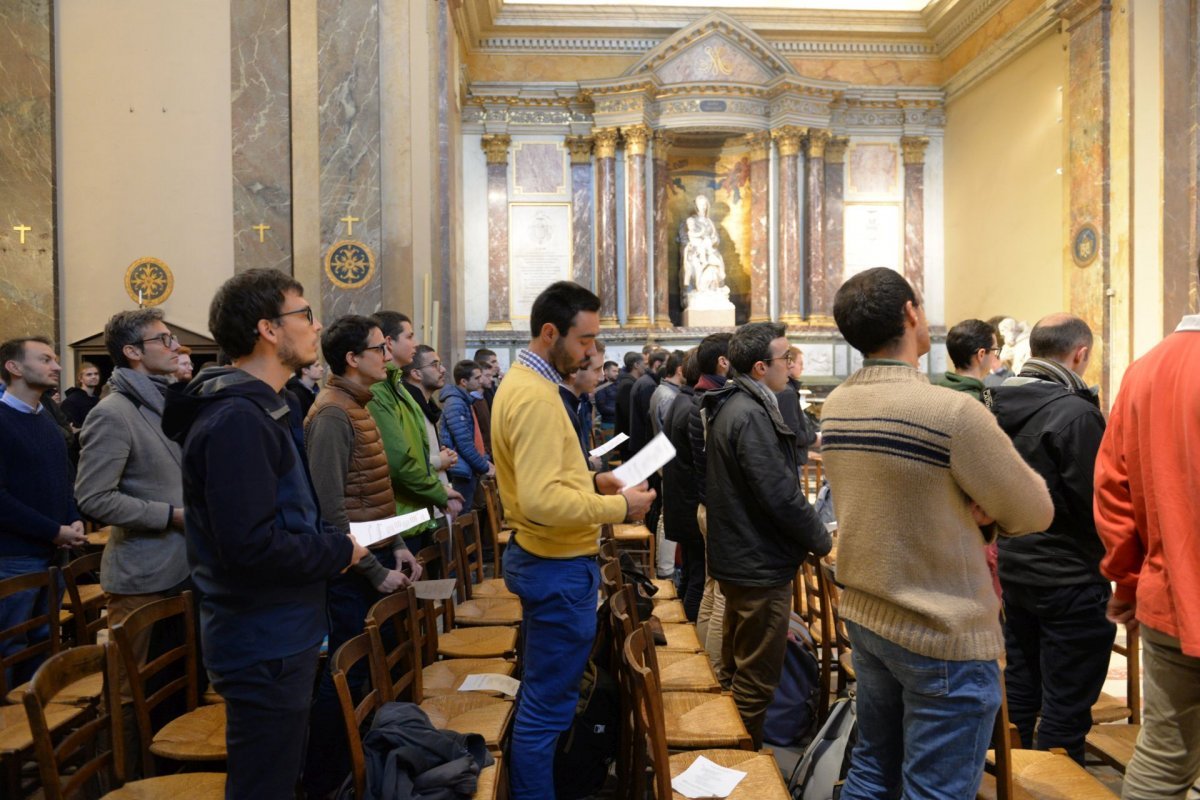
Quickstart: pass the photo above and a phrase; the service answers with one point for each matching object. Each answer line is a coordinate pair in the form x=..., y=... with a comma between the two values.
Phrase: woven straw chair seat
x=471, y=713
x=1113, y=743
x=701, y=719
x=210, y=697
x=485, y=789
x=81, y=693
x=196, y=736
x=625, y=532
x=494, y=642
x=1042, y=775
x=681, y=637
x=444, y=677
x=763, y=779
x=1109, y=709
x=488, y=611
x=87, y=593
x=492, y=587
x=99, y=538
x=193, y=785
x=15, y=735
x=685, y=672
x=504, y=535
x=846, y=664
x=670, y=611
x=666, y=590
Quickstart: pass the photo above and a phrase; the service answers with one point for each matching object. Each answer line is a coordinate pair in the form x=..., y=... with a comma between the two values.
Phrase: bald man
x=1056, y=633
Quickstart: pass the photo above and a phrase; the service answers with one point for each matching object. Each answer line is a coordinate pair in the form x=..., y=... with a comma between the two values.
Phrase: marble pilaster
x=496, y=146
x=760, y=227
x=349, y=120
x=606, y=223
x=637, y=277
x=835, y=212
x=28, y=283
x=582, y=215
x=914, y=209
x=1181, y=144
x=788, y=140
x=819, y=294
x=662, y=269
x=262, y=135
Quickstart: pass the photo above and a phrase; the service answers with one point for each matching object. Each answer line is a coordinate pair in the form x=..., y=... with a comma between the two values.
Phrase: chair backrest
x=494, y=509
x=1133, y=672
x=182, y=657
x=821, y=625
x=364, y=647
x=397, y=669
x=452, y=564
x=611, y=579
x=434, y=567
x=87, y=614
x=42, y=584
x=641, y=671
x=469, y=549
x=608, y=547
x=72, y=752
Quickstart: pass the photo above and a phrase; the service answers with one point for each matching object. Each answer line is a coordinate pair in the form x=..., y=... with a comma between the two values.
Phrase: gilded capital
x=663, y=141
x=606, y=142
x=759, y=144
x=1076, y=11
x=580, y=148
x=835, y=149
x=815, y=141
x=637, y=138
x=788, y=139
x=496, y=146
x=914, y=148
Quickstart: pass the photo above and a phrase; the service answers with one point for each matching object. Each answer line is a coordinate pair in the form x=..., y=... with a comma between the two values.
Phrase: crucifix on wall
x=349, y=220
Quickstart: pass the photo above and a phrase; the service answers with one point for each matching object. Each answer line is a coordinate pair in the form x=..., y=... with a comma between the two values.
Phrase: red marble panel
x=914, y=225
x=820, y=299
x=636, y=266
x=583, y=247
x=760, y=240
x=662, y=279
x=835, y=226
x=789, y=240
x=497, y=244
x=606, y=239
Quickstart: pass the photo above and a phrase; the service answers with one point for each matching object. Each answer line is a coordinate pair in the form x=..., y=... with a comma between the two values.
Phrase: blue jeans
x=558, y=604
x=465, y=485
x=924, y=724
x=17, y=609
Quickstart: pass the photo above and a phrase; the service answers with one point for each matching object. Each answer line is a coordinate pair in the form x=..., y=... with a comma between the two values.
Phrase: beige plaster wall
x=144, y=154
x=1004, y=194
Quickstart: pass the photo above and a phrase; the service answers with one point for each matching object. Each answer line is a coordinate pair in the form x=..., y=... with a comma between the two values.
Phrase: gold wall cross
x=349, y=224
x=22, y=229
x=262, y=229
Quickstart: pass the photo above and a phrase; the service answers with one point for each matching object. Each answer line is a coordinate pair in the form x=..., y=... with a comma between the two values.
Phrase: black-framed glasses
x=434, y=364
x=788, y=356
x=382, y=347
x=306, y=311
x=165, y=339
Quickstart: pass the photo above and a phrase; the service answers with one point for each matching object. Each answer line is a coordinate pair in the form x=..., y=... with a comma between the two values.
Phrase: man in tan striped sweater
x=922, y=478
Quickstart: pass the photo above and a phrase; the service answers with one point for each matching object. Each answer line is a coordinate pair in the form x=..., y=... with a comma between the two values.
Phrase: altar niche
x=717, y=167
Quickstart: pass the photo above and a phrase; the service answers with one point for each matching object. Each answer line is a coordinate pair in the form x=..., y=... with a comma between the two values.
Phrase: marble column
x=819, y=296
x=835, y=212
x=606, y=224
x=349, y=120
x=28, y=243
x=583, y=249
x=914, y=209
x=637, y=267
x=788, y=140
x=662, y=247
x=1181, y=143
x=760, y=233
x=262, y=135
x=496, y=148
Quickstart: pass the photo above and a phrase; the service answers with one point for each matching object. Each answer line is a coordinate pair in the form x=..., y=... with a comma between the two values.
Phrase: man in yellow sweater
x=555, y=507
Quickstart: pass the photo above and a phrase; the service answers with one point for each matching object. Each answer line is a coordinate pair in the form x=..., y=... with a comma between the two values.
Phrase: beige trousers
x=710, y=619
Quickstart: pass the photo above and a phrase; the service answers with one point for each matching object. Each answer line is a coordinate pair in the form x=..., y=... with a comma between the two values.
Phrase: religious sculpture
x=703, y=293
x=1015, y=350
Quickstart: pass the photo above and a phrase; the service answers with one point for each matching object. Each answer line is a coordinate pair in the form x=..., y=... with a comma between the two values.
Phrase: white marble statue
x=1015, y=350
x=703, y=269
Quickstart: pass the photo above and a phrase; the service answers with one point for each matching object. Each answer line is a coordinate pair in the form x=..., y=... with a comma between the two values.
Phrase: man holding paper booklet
x=555, y=507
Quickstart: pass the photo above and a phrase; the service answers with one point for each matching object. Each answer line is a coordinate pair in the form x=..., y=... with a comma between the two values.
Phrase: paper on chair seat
x=435, y=590
x=374, y=532
x=609, y=445
x=491, y=683
x=649, y=460
x=706, y=779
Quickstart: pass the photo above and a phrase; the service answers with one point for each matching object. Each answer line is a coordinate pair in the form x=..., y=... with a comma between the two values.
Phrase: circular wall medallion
x=349, y=264
x=149, y=281
x=1085, y=246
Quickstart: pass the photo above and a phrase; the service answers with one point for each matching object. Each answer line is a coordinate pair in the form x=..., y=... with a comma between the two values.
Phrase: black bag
x=643, y=588
x=589, y=746
x=793, y=709
x=820, y=773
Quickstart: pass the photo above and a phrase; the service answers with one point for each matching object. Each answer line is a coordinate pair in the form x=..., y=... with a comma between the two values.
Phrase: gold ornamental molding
x=815, y=141
x=835, y=149
x=606, y=142
x=496, y=147
x=663, y=142
x=914, y=149
x=1076, y=11
x=759, y=143
x=580, y=148
x=788, y=139
x=637, y=138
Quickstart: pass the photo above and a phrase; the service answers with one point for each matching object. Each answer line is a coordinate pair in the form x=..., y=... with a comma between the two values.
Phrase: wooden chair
x=470, y=642
x=87, y=750
x=1033, y=774
x=199, y=733
x=763, y=780
x=1113, y=743
x=497, y=531
x=637, y=540
x=679, y=637
x=85, y=597
x=666, y=587
x=470, y=555
x=679, y=671
x=668, y=611
x=817, y=618
x=357, y=715
x=831, y=594
x=469, y=612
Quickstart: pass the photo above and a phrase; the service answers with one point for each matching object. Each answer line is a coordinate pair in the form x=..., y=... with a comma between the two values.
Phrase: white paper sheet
x=706, y=779
x=649, y=459
x=435, y=590
x=609, y=445
x=491, y=683
x=371, y=533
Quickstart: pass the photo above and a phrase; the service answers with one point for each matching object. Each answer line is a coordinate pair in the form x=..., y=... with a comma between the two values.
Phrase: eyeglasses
x=995, y=350
x=434, y=364
x=382, y=347
x=165, y=339
x=789, y=358
x=307, y=311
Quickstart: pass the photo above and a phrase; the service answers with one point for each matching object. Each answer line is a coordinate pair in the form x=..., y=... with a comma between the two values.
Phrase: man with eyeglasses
x=259, y=552
x=130, y=474
x=974, y=351
x=423, y=379
x=761, y=528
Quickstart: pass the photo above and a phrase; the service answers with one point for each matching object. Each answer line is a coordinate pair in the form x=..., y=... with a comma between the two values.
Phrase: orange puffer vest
x=369, y=484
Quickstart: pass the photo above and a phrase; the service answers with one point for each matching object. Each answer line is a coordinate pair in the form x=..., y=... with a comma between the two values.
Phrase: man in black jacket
x=760, y=526
x=679, y=489
x=1056, y=635
x=259, y=553
x=635, y=365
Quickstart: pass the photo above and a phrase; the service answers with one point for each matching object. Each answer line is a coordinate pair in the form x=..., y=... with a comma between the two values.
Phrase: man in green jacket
x=975, y=352
x=402, y=425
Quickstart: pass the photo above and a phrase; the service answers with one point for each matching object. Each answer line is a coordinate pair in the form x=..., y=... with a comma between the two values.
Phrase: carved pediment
x=717, y=49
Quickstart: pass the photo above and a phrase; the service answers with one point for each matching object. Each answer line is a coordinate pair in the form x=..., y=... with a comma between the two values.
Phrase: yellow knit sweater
x=547, y=490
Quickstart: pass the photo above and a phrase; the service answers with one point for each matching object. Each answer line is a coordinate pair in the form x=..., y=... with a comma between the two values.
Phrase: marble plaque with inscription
x=712, y=58
x=539, y=237
x=873, y=170
x=539, y=168
x=874, y=237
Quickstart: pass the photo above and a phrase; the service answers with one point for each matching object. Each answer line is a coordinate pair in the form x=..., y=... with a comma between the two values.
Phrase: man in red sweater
x=1147, y=505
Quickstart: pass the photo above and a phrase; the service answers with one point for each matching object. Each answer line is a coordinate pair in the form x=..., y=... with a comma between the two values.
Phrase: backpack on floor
x=793, y=709
x=826, y=760
x=589, y=746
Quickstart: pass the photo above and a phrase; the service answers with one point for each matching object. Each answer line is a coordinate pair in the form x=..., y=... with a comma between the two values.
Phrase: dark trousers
x=465, y=485
x=1059, y=643
x=349, y=599
x=266, y=709
x=693, y=577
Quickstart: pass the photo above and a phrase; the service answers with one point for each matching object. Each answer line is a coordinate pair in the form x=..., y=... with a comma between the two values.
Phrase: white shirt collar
x=12, y=401
x=1190, y=322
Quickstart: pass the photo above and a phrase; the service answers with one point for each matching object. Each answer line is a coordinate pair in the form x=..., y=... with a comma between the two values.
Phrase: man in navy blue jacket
x=460, y=432
x=259, y=553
